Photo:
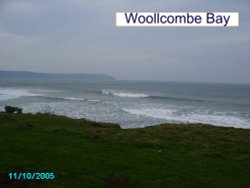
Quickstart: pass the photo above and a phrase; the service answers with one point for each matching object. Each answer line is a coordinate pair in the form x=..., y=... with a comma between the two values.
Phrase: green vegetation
x=82, y=153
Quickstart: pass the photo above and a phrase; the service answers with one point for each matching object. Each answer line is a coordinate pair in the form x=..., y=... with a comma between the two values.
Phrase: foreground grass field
x=88, y=154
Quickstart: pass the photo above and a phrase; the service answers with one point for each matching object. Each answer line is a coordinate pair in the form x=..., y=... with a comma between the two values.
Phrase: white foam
x=7, y=94
x=220, y=120
x=93, y=100
x=76, y=99
x=170, y=116
x=124, y=93
x=72, y=98
x=151, y=112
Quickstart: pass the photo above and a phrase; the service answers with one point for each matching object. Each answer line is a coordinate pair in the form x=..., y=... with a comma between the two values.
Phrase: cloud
x=80, y=36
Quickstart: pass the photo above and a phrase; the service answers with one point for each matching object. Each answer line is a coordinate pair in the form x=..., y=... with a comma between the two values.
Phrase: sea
x=131, y=104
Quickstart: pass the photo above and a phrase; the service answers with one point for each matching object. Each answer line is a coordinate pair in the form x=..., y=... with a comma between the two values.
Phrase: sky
x=80, y=36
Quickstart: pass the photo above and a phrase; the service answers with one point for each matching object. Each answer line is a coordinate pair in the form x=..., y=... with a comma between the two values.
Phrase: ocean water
x=132, y=103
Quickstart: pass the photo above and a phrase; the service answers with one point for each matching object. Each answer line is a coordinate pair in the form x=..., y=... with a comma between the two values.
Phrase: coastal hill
x=27, y=74
x=82, y=153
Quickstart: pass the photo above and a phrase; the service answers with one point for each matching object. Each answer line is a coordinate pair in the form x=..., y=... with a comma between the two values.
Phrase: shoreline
x=117, y=125
x=132, y=106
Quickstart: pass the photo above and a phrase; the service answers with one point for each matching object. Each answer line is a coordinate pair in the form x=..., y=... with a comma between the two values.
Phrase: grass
x=83, y=153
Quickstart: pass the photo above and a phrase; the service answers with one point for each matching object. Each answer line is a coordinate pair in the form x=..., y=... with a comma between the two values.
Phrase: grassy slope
x=88, y=154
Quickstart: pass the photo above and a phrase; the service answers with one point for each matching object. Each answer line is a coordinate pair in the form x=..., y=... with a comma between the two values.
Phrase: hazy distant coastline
x=40, y=75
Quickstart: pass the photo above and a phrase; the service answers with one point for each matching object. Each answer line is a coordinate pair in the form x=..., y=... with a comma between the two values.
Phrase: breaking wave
x=15, y=93
x=124, y=93
x=63, y=98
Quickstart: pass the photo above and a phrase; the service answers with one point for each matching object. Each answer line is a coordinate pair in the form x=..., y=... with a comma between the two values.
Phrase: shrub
x=13, y=110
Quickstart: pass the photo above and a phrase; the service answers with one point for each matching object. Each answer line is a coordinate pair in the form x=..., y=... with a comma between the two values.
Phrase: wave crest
x=15, y=93
x=124, y=93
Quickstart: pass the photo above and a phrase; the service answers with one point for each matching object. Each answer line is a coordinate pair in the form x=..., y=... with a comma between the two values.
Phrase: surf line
x=185, y=18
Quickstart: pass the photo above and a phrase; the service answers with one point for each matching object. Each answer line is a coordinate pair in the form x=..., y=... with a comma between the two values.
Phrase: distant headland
x=40, y=75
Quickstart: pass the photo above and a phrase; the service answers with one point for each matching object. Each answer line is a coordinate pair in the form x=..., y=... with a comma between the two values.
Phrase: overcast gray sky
x=75, y=36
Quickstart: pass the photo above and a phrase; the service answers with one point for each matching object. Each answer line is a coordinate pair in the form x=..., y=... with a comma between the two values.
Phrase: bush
x=13, y=110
